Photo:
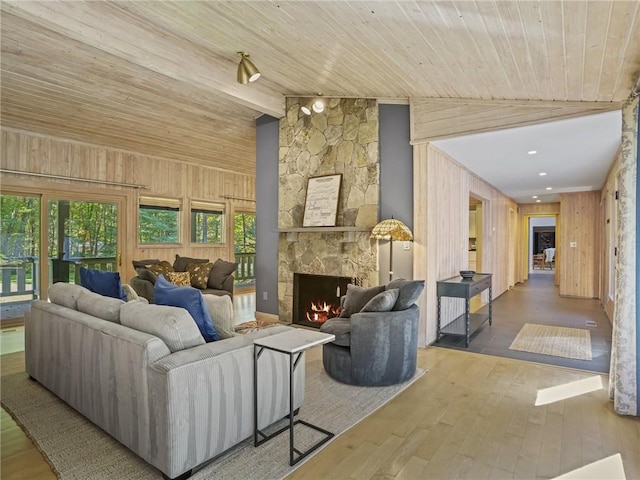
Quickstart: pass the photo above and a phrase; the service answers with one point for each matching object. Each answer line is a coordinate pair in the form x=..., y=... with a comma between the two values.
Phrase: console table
x=467, y=323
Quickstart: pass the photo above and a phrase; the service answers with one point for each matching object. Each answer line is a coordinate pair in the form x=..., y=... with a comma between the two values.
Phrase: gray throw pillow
x=357, y=297
x=148, y=275
x=219, y=273
x=181, y=263
x=382, y=302
x=410, y=290
x=173, y=325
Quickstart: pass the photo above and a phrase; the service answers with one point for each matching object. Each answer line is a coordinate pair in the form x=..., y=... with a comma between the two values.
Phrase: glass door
x=19, y=254
x=81, y=233
x=244, y=241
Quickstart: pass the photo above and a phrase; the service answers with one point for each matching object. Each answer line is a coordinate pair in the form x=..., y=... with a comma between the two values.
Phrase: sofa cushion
x=181, y=263
x=357, y=297
x=341, y=328
x=219, y=273
x=382, y=302
x=65, y=294
x=147, y=275
x=221, y=311
x=173, y=325
x=181, y=279
x=161, y=268
x=97, y=305
x=190, y=299
x=104, y=283
x=199, y=273
x=144, y=263
x=410, y=290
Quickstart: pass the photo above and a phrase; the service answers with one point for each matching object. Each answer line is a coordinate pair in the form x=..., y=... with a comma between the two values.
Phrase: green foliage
x=89, y=228
x=207, y=227
x=19, y=226
x=158, y=225
x=244, y=228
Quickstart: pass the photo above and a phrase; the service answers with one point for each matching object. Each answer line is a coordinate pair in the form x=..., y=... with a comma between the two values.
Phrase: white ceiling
x=159, y=78
x=575, y=154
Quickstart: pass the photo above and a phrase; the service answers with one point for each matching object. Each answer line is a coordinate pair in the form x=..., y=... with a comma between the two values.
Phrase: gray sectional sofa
x=174, y=400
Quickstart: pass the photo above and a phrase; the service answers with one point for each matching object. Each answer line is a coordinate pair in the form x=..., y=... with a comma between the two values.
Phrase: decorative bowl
x=467, y=274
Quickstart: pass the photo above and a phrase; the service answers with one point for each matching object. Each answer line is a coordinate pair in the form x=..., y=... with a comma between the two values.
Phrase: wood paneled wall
x=22, y=151
x=579, y=214
x=441, y=194
x=609, y=238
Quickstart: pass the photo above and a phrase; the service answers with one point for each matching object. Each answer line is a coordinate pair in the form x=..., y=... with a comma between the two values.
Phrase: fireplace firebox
x=316, y=298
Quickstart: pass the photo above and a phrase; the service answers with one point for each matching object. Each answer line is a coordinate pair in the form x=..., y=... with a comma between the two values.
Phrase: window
x=159, y=220
x=207, y=222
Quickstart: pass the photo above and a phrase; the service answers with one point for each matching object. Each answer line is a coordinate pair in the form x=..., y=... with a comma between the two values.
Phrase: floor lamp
x=391, y=229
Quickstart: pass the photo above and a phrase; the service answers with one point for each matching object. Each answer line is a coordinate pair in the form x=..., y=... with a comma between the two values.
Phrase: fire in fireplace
x=316, y=298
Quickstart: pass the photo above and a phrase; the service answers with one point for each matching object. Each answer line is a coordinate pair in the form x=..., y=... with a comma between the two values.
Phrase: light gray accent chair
x=375, y=348
x=175, y=408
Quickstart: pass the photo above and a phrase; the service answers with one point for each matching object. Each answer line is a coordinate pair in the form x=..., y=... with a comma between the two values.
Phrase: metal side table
x=292, y=343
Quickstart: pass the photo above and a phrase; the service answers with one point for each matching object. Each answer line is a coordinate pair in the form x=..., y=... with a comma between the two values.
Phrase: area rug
x=76, y=449
x=555, y=341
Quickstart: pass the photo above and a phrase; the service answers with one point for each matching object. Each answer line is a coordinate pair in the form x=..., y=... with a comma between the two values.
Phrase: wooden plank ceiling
x=159, y=77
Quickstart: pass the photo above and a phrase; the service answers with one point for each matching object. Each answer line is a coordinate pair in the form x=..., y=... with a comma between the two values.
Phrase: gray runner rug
x=77, y=449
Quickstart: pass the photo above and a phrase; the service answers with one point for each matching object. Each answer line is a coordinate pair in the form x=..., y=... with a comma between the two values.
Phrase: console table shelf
x=467, y=323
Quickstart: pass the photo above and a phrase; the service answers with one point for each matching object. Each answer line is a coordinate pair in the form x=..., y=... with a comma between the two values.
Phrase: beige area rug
x=77, y=449
x=555, y=341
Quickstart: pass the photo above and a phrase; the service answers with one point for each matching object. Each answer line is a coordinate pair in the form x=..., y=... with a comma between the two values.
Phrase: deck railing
x=246, y=267
x=20, y=275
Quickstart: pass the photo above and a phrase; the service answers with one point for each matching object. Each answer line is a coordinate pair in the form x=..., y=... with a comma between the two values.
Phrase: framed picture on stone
x=321, y=204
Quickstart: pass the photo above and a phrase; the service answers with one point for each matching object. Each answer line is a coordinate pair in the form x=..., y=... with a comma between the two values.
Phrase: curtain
x=625, y=351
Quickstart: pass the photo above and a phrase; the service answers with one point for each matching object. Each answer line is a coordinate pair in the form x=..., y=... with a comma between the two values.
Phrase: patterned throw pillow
x=199, y=274
x=181, y=279
x=161, y=268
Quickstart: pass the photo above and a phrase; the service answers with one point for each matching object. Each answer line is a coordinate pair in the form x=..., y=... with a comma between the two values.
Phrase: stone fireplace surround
x=343, y=139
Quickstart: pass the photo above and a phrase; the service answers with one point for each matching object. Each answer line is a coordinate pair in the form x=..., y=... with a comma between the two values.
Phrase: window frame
x=210, y=206
x=160, y=203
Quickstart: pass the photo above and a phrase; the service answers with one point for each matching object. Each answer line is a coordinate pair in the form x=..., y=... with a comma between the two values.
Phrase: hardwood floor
x=538, y=301
x=470, y=416
x=473, y=416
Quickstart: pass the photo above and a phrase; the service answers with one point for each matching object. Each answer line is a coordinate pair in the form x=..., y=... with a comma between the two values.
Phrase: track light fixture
x=315, y=104
x=247, y=71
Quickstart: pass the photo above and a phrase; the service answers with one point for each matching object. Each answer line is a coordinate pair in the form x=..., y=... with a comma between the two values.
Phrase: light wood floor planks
x=473, y=416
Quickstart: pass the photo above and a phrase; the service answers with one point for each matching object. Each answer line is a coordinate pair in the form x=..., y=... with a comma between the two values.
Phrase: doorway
x=244, y=247
x=80, y=233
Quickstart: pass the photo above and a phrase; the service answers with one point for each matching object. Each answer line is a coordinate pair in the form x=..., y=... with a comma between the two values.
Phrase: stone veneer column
x=343, y=139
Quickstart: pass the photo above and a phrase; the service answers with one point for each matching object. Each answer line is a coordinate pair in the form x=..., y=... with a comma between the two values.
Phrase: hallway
x=538, y=301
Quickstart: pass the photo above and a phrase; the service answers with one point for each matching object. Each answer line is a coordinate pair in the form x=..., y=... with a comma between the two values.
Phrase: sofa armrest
x=228, y=285
x=143, y=288
x=202, y=398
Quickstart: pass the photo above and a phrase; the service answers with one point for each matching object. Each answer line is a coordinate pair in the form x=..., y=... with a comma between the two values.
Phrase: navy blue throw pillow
x=189, y=298
x=104, y=283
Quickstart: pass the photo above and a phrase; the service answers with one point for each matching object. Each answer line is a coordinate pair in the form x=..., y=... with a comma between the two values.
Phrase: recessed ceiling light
x=538, y=201
x=532, y=152
x=535, y=196
x=542, y=174
x=549, y=188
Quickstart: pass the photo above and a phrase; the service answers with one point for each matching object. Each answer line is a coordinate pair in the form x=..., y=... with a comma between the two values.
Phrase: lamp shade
x=391, y=229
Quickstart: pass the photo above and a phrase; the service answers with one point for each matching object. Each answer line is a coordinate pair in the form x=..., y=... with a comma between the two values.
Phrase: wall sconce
x=312, y=104
x=247, y=71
